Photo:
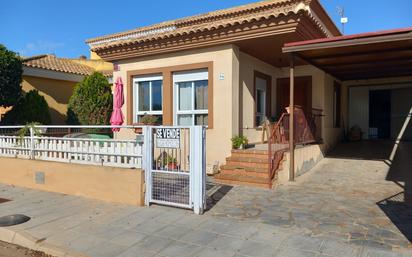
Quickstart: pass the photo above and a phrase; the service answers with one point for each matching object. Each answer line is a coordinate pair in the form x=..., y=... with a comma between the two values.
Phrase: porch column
x=291, y=120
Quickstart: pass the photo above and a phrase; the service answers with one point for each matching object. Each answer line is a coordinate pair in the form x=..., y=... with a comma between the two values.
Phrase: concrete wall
x=225, y=92
x=56, y=92
x=401, y=107
x=305, y=159
x=102, y=183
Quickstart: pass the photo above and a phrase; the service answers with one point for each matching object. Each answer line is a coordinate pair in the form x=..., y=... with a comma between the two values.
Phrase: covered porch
x=372, y=75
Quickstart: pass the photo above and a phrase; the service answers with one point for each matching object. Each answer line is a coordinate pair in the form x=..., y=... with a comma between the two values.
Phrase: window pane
x=201, y=119
x=185, y=96
x=201, y=98
x=157, y=95
x=260, y=101
x=185, y=120
x=144, y=96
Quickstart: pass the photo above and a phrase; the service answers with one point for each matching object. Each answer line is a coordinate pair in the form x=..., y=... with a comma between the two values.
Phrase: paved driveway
x=348, y=196
x=338, y=209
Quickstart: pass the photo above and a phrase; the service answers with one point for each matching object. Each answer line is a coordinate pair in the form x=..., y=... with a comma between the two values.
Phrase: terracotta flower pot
x=172, y=166
x=138, y=130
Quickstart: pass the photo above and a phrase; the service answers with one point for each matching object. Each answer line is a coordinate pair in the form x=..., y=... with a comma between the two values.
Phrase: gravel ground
x=11, y=250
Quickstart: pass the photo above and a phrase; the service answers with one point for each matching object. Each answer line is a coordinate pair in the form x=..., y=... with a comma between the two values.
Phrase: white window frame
x=188, y=76
x=146, y=78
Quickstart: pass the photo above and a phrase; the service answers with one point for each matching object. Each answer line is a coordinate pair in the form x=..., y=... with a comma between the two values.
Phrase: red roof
x=348, y=37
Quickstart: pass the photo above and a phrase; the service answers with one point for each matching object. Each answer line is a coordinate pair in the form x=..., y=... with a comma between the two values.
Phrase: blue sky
x=61, y=27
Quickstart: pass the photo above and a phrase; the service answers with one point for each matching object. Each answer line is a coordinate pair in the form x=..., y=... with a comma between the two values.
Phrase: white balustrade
x=104, y=152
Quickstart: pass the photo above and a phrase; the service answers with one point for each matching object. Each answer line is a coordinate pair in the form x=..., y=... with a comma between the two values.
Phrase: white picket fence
x=104, y=152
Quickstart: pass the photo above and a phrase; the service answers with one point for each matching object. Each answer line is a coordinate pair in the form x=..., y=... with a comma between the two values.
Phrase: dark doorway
x=302, y=96
x=380, y=114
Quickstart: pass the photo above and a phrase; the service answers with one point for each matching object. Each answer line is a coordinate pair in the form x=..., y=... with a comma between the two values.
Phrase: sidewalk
x=65, y=225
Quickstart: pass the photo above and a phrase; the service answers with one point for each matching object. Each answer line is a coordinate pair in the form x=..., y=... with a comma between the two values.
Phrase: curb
x=24, y=239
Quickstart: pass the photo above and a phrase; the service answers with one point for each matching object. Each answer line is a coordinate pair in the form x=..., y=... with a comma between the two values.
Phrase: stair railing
x=278, y=143
x=307, y=131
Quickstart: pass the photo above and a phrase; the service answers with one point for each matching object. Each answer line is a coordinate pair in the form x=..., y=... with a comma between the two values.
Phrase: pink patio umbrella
x=117, y=117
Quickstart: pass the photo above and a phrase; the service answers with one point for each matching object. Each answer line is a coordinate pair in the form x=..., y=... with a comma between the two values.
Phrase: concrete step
x=245, y=172
x=250, y=154
x=237, y=179
x=247, y=162
x=248, y=169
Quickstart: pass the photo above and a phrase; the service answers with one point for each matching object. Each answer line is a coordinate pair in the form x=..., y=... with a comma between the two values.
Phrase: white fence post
x=198, y=169
x=31, y=143
x=147, y=162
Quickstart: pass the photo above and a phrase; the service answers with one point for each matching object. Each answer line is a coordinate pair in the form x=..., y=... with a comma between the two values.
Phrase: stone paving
x=338, y=209
x=346, y=199
x=84, y=227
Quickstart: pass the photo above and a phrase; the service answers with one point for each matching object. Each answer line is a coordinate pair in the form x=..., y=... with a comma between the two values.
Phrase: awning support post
x=291, y=120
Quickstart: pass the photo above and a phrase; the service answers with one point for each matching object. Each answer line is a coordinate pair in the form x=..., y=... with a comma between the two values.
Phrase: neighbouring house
x=232, y=70
x=56, y=77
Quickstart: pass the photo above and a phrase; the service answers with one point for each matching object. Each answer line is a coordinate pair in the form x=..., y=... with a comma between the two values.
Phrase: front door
x=302, y=97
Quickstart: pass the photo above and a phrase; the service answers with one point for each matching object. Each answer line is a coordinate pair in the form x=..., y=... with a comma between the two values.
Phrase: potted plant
x=239, y=142
x=32, y=126
x=146, y=120
x=171, y=163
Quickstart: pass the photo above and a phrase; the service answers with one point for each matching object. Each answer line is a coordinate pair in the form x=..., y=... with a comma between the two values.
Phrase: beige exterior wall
x=322, y=98
x=102, y=183
x=248, y=65
x=56, y=92
x=233, y=103
x=362, y=107
x=305, y=159
x=3, y=111
x=225, y=92
x=331, y=135
x=97, y=64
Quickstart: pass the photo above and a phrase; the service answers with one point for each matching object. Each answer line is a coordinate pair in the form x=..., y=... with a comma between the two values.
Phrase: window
x=191, y=97
x=147, y=97
x=260, y=101
x=336, y=105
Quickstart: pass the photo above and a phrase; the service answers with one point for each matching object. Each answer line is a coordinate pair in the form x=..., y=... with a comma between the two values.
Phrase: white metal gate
x=174, y=163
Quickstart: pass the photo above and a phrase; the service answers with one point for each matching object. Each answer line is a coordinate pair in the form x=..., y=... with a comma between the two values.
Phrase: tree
x=11, y=70
x=91, y=102
x=30, y=108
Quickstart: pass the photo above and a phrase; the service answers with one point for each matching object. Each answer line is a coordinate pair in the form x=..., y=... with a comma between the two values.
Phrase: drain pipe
x=291, y=120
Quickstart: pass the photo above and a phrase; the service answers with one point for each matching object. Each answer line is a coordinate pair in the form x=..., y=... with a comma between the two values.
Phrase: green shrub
x=91, y=102
x=31, y=108
x=149, y=120
x=11, y=70
x=238, y=141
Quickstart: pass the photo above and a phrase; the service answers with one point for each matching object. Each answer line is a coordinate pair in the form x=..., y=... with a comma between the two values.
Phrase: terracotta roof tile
x=51, y=62
x=202, y=23
x=107, y=73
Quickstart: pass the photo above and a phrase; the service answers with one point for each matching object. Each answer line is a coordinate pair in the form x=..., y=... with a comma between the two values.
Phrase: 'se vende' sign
x=168, y=138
